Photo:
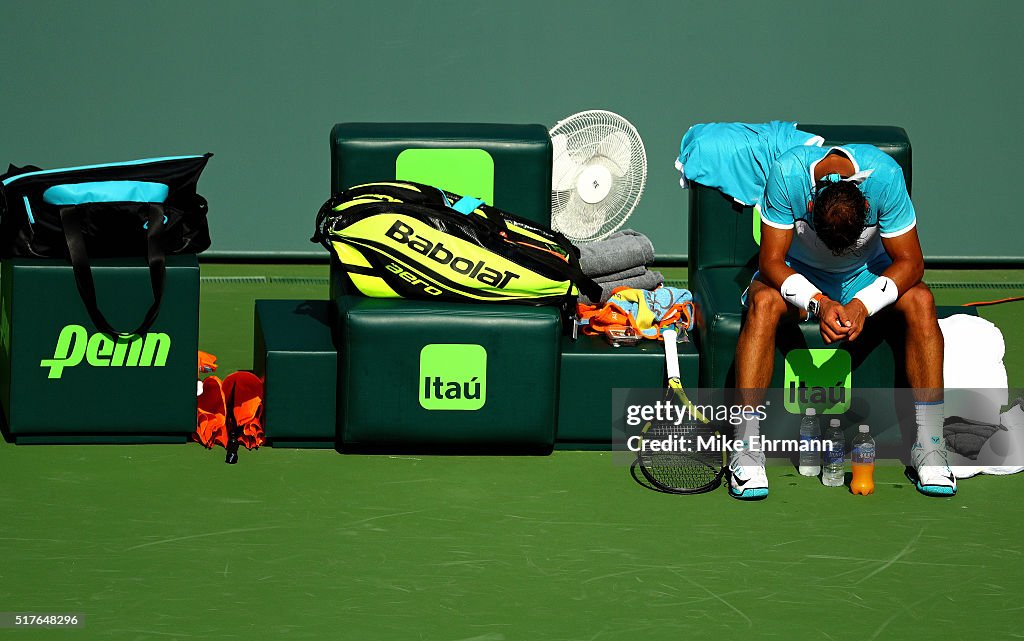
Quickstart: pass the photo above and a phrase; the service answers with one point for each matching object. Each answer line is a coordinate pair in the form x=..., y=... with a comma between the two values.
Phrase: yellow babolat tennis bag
x=408, y=240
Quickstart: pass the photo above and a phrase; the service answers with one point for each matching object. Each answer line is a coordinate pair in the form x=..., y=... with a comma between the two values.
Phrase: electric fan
x=599, y=169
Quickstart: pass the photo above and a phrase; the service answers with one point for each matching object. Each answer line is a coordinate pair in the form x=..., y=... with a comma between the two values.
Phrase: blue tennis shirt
x=789, y=191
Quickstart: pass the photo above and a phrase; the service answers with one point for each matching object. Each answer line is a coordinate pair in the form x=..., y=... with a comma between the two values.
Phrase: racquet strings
x=688, y=469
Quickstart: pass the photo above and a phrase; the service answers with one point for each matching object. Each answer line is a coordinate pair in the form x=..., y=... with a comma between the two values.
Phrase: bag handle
x=569, y=267
x=587, y=285
x=71, y=220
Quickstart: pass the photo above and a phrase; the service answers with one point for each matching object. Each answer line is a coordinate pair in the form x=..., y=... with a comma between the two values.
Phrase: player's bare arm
x=905, y=273
x=775, y=242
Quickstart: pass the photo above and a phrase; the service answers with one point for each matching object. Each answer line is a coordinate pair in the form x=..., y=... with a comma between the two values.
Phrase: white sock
x=749, y=427
x=930, y=417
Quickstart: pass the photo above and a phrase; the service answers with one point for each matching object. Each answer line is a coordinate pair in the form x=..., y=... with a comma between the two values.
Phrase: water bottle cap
x=811, y=411
x=863, y=429
x=834, y=422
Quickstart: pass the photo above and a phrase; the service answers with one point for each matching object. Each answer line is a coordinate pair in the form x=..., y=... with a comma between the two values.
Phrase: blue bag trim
x=128, y=163
x=467, y=204
x=28, y=210
x=106, y=191
x=146, y=226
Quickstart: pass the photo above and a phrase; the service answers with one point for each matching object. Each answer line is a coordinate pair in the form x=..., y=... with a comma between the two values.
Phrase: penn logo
x=437, y=252
x=99, y=350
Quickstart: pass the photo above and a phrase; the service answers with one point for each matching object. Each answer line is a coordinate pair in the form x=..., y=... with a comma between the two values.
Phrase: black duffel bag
x=147, y=208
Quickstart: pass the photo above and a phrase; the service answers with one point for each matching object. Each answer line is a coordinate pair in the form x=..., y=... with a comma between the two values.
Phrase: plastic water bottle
x=810, y=433
x=862, y=457
x=832, y=475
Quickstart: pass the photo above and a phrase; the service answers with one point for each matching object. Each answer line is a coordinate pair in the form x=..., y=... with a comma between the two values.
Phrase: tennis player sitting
x=839, y=245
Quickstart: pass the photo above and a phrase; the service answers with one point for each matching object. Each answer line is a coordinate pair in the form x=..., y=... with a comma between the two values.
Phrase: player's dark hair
x=839, y=213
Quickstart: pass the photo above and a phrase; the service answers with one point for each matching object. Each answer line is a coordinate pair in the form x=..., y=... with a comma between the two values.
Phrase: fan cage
x=584, y=134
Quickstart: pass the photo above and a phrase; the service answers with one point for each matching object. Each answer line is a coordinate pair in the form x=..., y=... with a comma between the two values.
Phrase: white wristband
x=798, y=290
x=878, y=295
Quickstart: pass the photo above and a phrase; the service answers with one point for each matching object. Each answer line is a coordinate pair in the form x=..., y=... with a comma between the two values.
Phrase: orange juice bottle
x=863, y=458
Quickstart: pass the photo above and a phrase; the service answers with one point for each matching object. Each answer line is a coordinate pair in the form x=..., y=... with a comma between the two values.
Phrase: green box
x=61, y=381
x=296, y=359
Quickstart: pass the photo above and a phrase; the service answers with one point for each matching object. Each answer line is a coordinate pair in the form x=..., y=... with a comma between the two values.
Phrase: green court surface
x=159, y=542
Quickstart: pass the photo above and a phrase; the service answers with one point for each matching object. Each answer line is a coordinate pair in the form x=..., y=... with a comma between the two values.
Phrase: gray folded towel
x=620, y=251
x=648, y=280
x=632, y=272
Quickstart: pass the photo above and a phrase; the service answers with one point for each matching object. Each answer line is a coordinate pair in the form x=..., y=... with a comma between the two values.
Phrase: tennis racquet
x=685, y=468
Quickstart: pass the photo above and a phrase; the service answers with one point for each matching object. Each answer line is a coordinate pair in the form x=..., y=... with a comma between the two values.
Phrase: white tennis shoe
x=931, y=469
x=747, y=478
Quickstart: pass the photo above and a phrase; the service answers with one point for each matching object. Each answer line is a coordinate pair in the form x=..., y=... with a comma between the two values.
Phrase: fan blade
x=559, y=201
x=579, y=221
x=564, y=168
x=616, y=148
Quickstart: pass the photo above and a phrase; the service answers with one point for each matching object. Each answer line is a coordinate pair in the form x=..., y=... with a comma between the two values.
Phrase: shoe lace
x=746, y=457
x=938, y=452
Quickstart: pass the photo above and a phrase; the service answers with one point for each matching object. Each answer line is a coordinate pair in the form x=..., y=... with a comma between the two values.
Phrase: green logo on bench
x=818, y=378
x=467, y=172
x=453, y=377
x=74, y=344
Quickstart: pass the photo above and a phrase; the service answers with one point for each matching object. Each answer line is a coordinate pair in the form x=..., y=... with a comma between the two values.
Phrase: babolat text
x=100, y=350
x=440, y=254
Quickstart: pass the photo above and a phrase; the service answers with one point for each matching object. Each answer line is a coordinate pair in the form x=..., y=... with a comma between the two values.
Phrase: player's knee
x=765, y=303
x=917, y=303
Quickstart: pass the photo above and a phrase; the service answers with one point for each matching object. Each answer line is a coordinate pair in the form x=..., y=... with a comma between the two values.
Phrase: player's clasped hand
x=856, y=314
x=834, y=323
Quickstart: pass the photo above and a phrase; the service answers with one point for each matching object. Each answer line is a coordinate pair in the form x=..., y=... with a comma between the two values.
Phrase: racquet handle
x=671, y=354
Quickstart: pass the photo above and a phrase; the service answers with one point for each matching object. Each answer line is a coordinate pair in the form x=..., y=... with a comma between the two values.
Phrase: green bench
x=403, y=365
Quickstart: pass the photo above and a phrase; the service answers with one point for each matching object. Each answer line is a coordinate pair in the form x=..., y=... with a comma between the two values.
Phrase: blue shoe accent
x=934, y=490
x=928, y=490
x=751, y=494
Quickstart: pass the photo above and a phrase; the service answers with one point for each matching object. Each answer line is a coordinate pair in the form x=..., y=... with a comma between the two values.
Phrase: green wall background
x=260, y=84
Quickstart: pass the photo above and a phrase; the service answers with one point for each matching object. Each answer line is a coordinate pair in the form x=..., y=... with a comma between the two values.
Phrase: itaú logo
x=453, y=377
x=74, y=345
x=818, y=378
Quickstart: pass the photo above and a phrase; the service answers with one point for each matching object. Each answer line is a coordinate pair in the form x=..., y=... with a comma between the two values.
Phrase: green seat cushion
x=447, y=374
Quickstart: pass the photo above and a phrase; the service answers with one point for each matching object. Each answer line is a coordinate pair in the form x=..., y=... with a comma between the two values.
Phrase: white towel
x=976, y=389
x=973, y=372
